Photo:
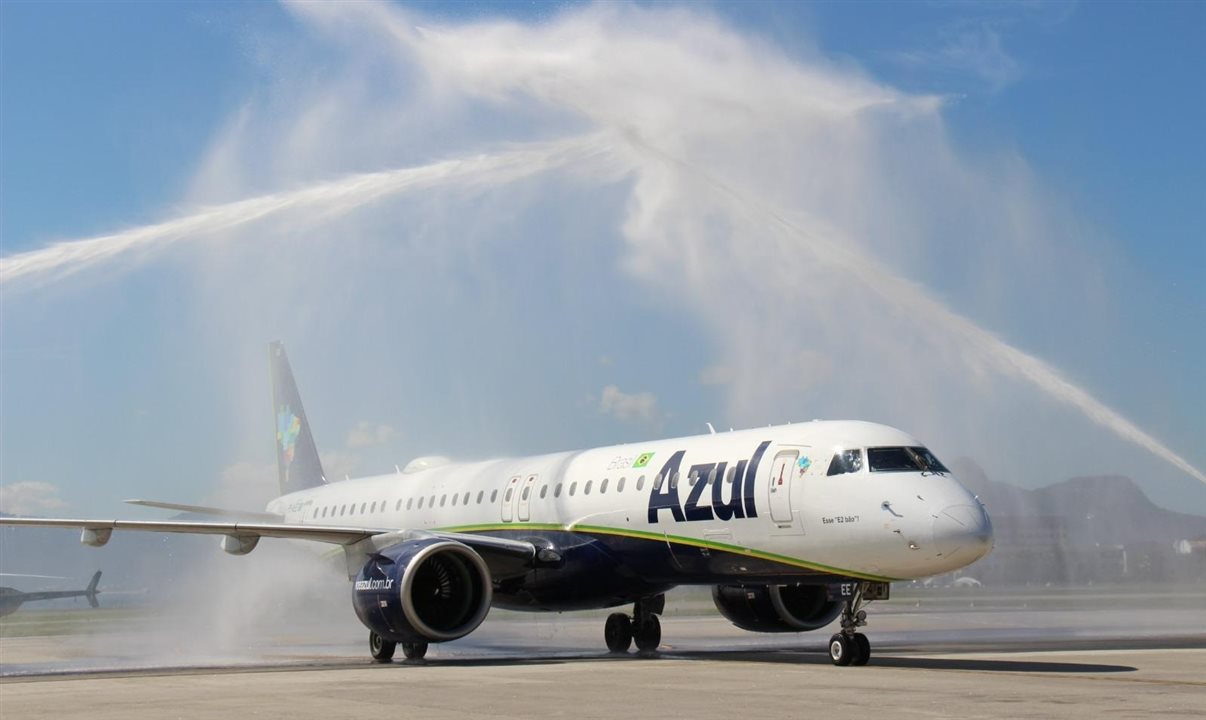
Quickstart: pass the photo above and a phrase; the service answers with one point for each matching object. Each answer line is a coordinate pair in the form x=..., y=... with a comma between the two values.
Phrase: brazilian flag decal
x=642, y=460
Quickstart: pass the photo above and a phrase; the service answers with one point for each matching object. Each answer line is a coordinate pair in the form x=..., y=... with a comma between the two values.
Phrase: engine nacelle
x=428, y=590
x=776, y=608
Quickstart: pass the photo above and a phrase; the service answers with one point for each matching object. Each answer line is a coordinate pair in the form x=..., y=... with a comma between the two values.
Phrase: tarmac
x=967, y=664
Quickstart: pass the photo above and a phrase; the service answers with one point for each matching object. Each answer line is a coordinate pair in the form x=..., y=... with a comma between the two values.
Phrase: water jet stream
x=988, y=349
x=334, y=198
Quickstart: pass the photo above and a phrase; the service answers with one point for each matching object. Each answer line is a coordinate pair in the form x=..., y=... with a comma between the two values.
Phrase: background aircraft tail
x=297, y=462
x=91, y=591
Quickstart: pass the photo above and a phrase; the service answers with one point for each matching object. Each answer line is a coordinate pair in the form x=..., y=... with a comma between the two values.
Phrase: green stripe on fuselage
x=662, y=537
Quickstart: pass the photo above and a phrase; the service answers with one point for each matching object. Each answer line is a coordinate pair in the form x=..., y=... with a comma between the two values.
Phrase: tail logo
x=288, y=427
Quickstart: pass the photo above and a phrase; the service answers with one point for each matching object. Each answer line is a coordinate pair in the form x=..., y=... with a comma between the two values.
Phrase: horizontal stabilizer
x=205, y=510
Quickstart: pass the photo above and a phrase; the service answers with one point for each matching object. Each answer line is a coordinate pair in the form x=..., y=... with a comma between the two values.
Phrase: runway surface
x=948, y=662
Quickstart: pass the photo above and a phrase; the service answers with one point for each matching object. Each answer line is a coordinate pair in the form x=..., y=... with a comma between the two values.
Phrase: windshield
x=846, y=461
x=903, y=459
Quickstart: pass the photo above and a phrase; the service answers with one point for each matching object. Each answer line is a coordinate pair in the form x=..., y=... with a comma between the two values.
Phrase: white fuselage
x=789, y=512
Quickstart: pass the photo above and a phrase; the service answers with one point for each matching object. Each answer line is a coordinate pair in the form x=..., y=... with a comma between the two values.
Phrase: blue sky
x=147, y=378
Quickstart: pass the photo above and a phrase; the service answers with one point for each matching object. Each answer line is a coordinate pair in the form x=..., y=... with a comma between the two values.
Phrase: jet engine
x=776, y=608
x=428, y=590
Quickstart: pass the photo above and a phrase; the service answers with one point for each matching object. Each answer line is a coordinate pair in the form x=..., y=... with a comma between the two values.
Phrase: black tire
x=863, y=649
x=618, y=633
x=414, y=650
x=841, y=650
x=382, y=649
x=648, y=634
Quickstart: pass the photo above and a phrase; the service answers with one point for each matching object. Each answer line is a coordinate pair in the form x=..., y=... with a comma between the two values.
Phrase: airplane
x=11, y=599
x=793, y=526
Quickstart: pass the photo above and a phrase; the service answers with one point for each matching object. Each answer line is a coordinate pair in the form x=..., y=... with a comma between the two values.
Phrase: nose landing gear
x=643, y=626
x=850, y=647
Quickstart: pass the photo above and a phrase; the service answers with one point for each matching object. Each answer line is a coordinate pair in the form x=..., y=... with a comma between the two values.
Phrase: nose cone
x=962, y=534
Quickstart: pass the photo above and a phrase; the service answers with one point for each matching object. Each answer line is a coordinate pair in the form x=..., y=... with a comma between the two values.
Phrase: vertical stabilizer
x=297, y=462
x=91, y=591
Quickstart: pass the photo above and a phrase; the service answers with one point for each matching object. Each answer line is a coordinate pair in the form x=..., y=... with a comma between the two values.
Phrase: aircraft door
x=779, y=488
x=525, y=498
x=507, y=504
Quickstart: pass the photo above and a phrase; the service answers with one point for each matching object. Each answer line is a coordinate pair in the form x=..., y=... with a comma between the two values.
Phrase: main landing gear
x=643, y=627
x=383, y=650
x=849, y=647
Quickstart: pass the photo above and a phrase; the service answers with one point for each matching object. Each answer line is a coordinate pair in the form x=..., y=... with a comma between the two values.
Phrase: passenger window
x=527, y=491
x=728, y=476
x=493, y=495
x=431, y=501
x=544, y=490
x=674, y=481
x=657, y=482
x=410, y=503
x=586, y=490
x=374, y=506
x=573, y=487
x=362, y=507
x=640, y=483
x=693, y=478
x=398, y=506
x=480, y=494
x=603, y=486
x=465, y=500
x=507, y=497
x=442, y=499
x=343, y=509
x=557, y=491
x=620, y=485
x=420, y=503
x=454, y=497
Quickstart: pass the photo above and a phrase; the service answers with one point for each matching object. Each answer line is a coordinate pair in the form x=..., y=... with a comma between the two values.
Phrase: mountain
x=1091, y=511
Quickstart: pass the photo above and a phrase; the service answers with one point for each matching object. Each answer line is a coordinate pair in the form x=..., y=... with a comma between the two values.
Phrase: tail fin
x=297, y=460
x=91, y=591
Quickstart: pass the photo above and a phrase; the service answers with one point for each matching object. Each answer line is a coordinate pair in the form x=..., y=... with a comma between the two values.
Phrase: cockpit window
x=903, y=459
x=846, y=461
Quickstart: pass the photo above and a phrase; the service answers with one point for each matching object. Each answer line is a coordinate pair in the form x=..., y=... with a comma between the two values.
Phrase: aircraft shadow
x=791, y=658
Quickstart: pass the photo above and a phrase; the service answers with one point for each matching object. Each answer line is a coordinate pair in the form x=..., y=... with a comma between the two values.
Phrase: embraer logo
x=740, y=502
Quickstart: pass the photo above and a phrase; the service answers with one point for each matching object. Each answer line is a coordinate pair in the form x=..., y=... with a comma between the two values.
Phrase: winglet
x=91, y=592
x=297, y=460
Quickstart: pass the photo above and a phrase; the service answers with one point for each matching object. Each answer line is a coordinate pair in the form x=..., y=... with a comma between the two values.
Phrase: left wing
x=504, y=557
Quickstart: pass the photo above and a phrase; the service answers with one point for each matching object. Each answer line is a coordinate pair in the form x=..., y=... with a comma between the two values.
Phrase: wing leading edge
x=504, y=557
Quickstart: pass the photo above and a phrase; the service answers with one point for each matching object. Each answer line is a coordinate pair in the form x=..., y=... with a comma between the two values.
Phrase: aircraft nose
x=963, y=532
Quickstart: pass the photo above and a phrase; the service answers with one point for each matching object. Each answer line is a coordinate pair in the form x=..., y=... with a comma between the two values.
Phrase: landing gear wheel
x=382, y=649
x=863, y=647
x=414, y=650
x=841, y=650
x=618, y=633
x=648, y=634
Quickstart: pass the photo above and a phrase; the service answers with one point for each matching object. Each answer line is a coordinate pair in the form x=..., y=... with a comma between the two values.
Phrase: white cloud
x=629, y=407
x=29, y=498
x=366, y=434
x=971, y=48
